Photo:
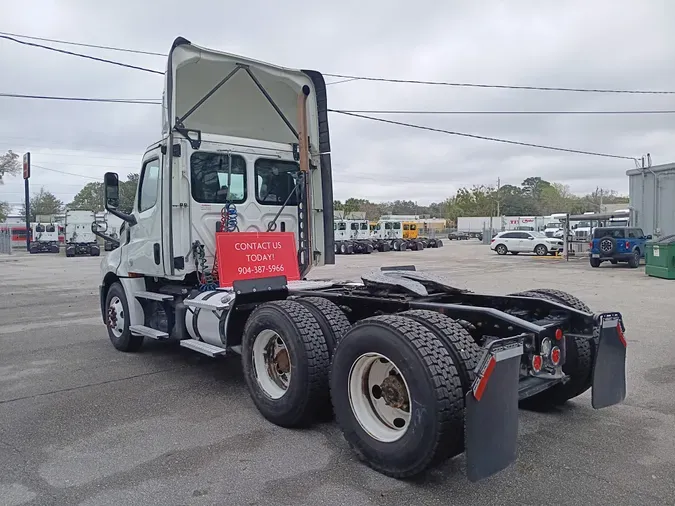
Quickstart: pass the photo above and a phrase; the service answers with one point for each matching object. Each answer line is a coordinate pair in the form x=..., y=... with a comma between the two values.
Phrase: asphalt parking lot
x=81, y=423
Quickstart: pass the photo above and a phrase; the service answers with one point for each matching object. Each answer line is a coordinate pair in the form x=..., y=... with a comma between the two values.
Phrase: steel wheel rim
x=380, y=400
x=116, y=316
x=271, y=363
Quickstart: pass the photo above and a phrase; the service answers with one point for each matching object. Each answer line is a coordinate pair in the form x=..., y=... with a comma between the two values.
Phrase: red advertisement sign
x=252, y=255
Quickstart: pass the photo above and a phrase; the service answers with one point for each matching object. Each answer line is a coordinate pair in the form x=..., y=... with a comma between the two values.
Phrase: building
x=651, y=191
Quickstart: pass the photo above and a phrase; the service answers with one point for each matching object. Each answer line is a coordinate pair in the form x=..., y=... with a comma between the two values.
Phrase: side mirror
x=99, y=226
x=111, y=187
x=111, y=190
x=648, y=237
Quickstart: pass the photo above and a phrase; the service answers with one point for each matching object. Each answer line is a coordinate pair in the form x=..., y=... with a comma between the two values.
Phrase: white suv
x=515, y=242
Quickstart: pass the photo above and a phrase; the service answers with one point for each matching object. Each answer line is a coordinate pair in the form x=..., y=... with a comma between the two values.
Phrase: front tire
x=397, y=395
x=285, y=361
x=540, y=250
x=117, y=319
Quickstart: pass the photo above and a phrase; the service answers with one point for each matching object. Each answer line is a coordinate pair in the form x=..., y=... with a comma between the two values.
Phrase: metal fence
x=6, y=242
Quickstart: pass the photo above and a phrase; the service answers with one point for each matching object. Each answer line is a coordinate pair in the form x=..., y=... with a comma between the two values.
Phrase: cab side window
x=275, y=182
x=149, y=185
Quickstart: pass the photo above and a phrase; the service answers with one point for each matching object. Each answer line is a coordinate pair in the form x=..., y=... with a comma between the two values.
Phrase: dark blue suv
x=618, y=244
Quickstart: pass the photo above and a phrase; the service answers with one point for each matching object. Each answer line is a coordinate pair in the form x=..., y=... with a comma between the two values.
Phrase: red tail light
x=555, y=355
x=558, y=334
x=537, y=363
x=590, y=244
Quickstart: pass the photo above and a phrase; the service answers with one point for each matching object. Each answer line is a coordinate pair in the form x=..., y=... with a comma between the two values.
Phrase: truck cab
x=45, y=238
x=230, y=159
x=80, y=239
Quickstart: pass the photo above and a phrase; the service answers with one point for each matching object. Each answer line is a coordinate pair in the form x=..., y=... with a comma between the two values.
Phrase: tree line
x=533, y=197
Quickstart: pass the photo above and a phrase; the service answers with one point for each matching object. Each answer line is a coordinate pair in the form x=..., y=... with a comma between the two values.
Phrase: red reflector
x=627, y=245
x=622, y=338
x=482, y=383
x=537, y=363
x=558, y=334
x=555, y=355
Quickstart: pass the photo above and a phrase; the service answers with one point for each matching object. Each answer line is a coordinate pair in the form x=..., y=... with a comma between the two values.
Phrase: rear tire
x=595, y=262
x=332, y=320
x=634, y=260
x=287, y=387
x=501, y=249
x=427, y=384
x=117, y=321
x=578, y=363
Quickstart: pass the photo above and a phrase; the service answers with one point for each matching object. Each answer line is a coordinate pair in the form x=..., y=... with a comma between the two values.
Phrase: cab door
x=144, y=250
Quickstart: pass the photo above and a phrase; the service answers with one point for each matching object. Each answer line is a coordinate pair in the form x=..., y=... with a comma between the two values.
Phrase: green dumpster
x=660, y=258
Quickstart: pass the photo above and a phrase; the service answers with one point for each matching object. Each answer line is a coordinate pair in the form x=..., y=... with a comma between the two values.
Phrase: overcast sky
x=592, y=44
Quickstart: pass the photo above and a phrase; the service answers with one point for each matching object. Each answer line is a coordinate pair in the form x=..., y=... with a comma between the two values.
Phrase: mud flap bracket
x=491, y=419
x=609, y=370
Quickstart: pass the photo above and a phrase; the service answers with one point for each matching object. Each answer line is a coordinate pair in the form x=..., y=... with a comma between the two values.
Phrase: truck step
x=148, y=332
x=202, y=347
x=152, y=296
x=212, y=304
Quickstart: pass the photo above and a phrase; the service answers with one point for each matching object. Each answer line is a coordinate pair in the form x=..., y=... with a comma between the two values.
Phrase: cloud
x=602, y=44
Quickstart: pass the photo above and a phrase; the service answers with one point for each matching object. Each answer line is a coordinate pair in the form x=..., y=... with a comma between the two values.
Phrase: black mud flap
x=609, y=371
x=491, y=426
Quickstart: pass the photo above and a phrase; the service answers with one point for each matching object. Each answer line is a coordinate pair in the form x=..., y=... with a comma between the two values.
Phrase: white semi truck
x=44, y=238
x=80, y=238
x=415, y=370
x=352, y=236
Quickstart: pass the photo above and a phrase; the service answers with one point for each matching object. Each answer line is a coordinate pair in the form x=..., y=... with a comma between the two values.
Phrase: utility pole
x=498, y=187
x=26, y=177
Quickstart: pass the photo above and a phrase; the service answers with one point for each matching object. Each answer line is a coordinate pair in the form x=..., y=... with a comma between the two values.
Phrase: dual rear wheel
x=396, y=383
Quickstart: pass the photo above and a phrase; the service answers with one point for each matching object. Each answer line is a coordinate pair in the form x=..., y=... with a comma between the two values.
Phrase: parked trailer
x=44, y=238
x=80, y=239
x=415, y=370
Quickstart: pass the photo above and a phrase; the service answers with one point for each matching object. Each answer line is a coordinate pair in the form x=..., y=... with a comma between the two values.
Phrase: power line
x=499, y=86
x=83, y=99
x=67, y=173
x=82, y=44
x=441, y=112
x=344, y=77
x=149, y=101
x=80, y=55
x=485, y=138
